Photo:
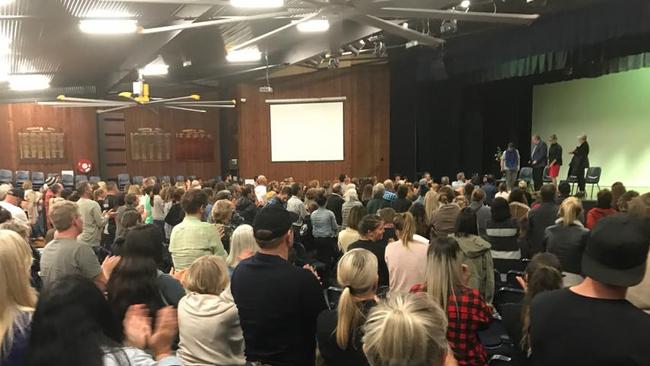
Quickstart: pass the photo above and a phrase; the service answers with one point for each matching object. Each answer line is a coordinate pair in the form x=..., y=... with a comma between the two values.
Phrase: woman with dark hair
x=402, y=203
x=502, y=231
x=625, y=199
x=543, y=273
x=618, y=189
x=467, y=311
x=137, y=279
x=443, y=220
x=371, y=231
x=246, y=206
x=476, y=254
x=518, y=203
x=603, y=208
x=73, y=325
x=366, y=194
x=421, y=223
x=467, y=190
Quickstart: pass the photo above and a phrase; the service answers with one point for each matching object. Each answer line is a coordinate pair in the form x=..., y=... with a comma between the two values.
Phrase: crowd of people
x=225, y=273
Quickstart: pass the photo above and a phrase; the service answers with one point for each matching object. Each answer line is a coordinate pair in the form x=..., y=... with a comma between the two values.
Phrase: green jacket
x=477, y=256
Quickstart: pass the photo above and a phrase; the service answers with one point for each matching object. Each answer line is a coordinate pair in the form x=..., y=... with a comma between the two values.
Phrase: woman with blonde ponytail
x=339, y=331
x=17, y=298
x=406, y=258
x=446, y=283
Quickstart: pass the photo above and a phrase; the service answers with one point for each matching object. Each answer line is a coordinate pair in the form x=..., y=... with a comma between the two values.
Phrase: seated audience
x=193, y=238
x=603, y=208
x=443, y=220
x=592, y=323
x=476, y=254
x=366, y=194
x=64, y=255
x=350, y=234
x=567, y=240
x=502, y=231
x=278, y=303
x=351, y=201
x=543, y=273
x=540, y=218
x=481, y=210
x=371, y=232
x=339, y=331
x=503, y=191
x=406, y=258
x=489, y=188
x=407, y=330
x=335, y=202
x=518, y=204
x=625, y=200
x=564, y=191
x=208, y=320
x=421, y=221
x=618, y=189
x=639, y=295
x=466, y=310
x=402, y=203
x=387, y=215
x=243, y=245
x=423, y=189
x=17, y=298
x=523, y=186
x=73, y=325
x=389, y=191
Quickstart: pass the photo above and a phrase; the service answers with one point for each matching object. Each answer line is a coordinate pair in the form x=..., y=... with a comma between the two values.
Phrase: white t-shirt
x=16, y=212
x=260, y=193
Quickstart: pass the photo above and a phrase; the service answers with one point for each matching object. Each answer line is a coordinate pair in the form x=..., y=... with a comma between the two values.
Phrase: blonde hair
x=222, y=211
x=406, y=330
x=443, y=272
x=16, y=293
x=357, y=272
x=570, y=209
x=207, y=275
x=27, y=185
x=241, y=239
x=17, y=227
x=431, y=203
x=134, y=189
x=405, y=227
x=62, y=214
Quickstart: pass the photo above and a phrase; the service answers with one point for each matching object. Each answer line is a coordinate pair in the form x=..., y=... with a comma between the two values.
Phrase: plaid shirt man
x=466, y=312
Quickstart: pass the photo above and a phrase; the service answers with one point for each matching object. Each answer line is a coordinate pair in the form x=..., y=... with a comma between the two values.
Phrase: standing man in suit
x=538, y=160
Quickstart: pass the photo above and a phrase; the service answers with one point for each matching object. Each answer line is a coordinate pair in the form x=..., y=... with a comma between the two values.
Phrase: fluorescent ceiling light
x=108, y=26
x=245, y=55
x=257, y=3
x=465, y=4
x=28, y=82
x=156, y=67
x=6, y=2
x=314, y=25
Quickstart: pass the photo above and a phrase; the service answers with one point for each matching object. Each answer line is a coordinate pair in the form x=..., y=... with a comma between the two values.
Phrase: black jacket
x=580, y=160
x=540, y=155
x=335, y=204
x=247, y=210
x=555, y=153
x=538, y=220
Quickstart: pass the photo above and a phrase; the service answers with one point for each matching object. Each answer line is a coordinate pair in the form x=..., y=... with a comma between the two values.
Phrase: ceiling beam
x=148, y=49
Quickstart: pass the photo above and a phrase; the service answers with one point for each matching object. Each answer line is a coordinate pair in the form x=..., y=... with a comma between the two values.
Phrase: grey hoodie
x=477, y=256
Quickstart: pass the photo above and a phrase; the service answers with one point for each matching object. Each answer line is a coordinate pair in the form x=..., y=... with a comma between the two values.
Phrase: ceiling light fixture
x=156, y=67
x=257, y=3
x=108, y=26
x=252, y=54
x=314, y=26
x=465, y=4
x=6, y=2
x=28, y=82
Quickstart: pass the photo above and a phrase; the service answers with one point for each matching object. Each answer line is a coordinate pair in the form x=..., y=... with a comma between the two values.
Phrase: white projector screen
x=307, y=132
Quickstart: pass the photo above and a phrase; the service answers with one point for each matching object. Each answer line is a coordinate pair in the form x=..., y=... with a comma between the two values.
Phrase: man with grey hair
x=335, y=202
x=4, y=188
x=377, y=202
x=389, y=191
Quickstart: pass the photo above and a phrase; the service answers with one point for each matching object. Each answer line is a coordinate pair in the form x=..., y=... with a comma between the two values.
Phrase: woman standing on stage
x=580, y=161
x=555, y=159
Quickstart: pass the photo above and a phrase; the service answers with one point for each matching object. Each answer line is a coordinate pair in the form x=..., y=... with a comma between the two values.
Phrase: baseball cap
x=617, y=251
x=272, y=222
x=17, y=192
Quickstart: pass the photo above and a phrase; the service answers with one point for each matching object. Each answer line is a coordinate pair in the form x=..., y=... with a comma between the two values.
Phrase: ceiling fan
x=386, y=15
x=140, y=97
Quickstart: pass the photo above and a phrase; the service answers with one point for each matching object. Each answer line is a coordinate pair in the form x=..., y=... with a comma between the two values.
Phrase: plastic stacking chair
x=21, y=177
x=593, y=178
x=6, y=176
x=68, y=181
x=123, y=180
x=526, y=174
x=546, y=178
x=38, y=179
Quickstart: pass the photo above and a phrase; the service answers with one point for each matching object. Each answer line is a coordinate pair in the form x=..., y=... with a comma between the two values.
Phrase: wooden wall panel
x=78, y=124
x=173, y=121
x=366, y=123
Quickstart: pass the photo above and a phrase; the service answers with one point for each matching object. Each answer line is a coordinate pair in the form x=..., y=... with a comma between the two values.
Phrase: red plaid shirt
x=466, y=313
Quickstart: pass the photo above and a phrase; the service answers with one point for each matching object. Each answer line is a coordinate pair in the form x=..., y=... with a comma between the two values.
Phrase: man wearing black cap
x=278, y=303
x=592, y=323
x=12, y=204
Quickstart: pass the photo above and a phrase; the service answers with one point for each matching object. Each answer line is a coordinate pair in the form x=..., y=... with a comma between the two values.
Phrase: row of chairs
x=592, y=177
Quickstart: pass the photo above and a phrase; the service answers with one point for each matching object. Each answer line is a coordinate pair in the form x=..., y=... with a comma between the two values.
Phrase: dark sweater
x=378, y=248
x=503, y=235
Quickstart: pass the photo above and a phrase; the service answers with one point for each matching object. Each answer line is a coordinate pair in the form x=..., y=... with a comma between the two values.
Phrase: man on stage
x=538, y=160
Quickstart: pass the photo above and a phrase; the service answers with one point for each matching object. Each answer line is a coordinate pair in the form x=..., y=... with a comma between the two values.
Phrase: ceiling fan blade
x=100, y=111
x=275, y=31
x=398, y=30
x=201, y=105
x=503, y=18
x=79, y=105
x=186, y=109
x=159, y=101
x=63, y=98
x=213, y=102
x=210, y=23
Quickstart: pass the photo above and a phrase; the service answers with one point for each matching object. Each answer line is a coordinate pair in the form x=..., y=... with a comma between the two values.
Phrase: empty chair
x=38, y=179
x=546, y=178
x=80, y=178
x=332, y=296
x=21, y=177
x=526, y=174
x=573, y=180
x=138, y=180
x=123, y=180
x=94, y=179
x=593, y=177
x=179, y=178
x=6, y=176
x=67, y=180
